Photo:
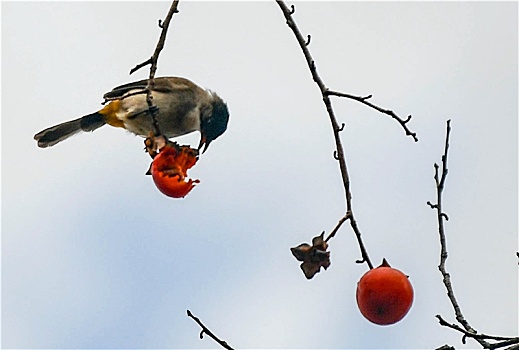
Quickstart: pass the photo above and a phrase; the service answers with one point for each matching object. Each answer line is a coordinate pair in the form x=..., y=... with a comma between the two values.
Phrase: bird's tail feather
x=51, y=136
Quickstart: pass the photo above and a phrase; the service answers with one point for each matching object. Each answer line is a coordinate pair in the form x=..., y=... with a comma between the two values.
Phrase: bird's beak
x=203, y=142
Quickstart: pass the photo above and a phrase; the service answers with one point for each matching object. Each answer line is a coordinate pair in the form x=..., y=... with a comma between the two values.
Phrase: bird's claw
x=153, y=144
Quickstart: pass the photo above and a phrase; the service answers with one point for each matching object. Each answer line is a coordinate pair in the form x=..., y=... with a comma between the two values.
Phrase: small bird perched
x=183, y=107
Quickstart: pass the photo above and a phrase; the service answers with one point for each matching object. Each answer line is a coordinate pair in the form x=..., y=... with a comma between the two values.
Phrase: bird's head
x=214, y=123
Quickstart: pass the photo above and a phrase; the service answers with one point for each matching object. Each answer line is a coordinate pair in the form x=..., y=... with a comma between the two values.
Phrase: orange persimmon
x=169, y=170
x=384, y=295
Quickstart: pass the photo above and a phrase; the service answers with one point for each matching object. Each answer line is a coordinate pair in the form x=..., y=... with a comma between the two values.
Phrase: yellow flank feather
x=110, y=113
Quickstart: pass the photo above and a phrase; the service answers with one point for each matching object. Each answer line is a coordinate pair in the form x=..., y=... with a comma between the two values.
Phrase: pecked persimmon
x=384, y=295
x=169, y=170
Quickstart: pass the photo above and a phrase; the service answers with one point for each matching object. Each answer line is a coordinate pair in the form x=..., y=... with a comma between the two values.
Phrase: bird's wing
x=162, y=84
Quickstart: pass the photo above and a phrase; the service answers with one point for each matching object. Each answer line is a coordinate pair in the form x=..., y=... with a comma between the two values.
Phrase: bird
x=181, y=107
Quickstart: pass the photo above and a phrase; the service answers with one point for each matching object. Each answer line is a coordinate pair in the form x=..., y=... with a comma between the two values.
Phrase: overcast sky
x=94, y=256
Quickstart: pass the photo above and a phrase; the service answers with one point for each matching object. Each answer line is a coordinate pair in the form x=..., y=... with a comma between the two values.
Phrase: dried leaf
x=313, y=256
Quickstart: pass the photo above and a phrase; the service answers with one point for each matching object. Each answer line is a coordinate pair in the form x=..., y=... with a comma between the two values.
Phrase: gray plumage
x=183, y=107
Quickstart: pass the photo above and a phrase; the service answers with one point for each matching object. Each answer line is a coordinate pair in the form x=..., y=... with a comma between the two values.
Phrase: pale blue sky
x=94, y=256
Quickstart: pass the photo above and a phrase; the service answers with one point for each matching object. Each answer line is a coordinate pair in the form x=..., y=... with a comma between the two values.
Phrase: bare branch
x=153, y=60
x=160, y=44
x=140, y=65
x=440, y=185
x=207, y=331
x=389, y=112
x=337, y=227
x=339, y=153
x=503, y=341
x=467, y=329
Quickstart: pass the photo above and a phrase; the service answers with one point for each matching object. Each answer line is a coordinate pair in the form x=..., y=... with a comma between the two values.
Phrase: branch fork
x=338, y=154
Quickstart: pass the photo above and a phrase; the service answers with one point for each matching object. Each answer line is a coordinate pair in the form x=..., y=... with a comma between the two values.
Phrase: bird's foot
x=153, y=144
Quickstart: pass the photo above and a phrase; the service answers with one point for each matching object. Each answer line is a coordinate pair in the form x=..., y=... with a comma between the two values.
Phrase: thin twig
x=160, y=44
x=503, y=341
x=467, y=329
x=364, y=100
x=440, y=185
x=153, y=60
x=140, y=65
x=339, y=153
x=208, y=332
x=337, y=227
